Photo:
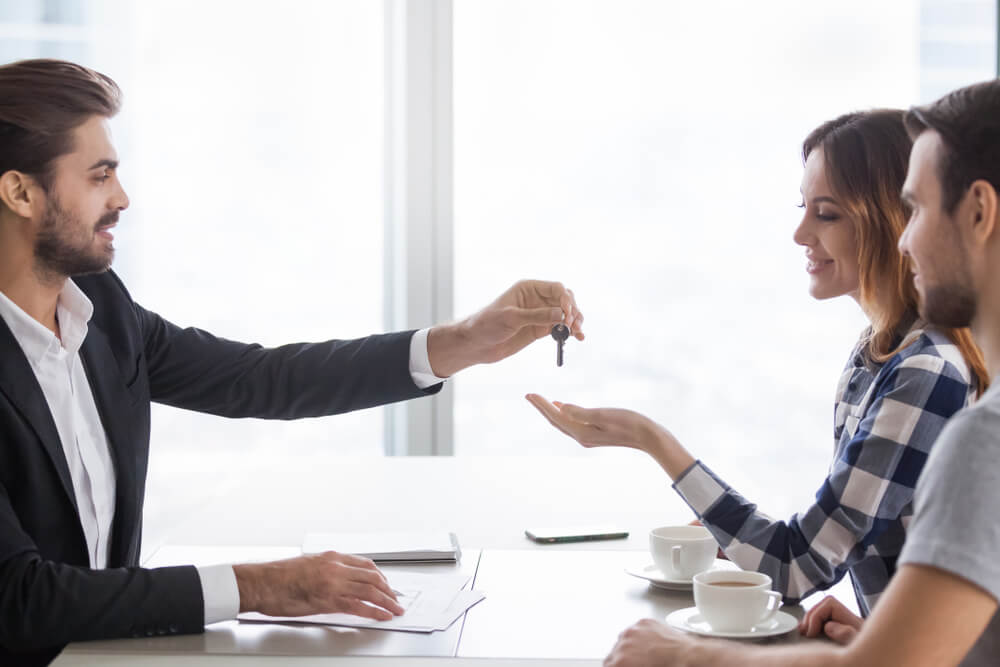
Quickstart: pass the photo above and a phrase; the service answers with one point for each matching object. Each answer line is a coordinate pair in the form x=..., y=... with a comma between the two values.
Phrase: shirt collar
x=73, y=310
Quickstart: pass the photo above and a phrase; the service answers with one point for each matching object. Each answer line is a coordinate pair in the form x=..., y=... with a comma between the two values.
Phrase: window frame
x=419, y=259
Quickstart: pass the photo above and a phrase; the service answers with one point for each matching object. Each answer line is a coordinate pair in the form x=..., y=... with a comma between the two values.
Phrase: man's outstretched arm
x=193, y=369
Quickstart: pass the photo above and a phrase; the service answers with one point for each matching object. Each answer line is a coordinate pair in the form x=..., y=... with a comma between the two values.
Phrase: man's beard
x=59, y=254
x=949, y=305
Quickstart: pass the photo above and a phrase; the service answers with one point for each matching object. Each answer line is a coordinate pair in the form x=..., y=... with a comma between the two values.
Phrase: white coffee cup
x=735, y=601
x=680, y=552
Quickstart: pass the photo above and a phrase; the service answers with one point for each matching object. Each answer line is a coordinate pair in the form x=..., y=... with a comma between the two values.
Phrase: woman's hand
x=721, y=555
x=616, y=427
x=831, y=618
x=594, y=428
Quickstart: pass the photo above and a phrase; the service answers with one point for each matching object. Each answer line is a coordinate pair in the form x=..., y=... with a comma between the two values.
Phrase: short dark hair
x=968, y=120
x=41, y=102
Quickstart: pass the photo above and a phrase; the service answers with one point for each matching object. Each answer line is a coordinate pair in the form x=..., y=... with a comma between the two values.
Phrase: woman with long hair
x=902, y=382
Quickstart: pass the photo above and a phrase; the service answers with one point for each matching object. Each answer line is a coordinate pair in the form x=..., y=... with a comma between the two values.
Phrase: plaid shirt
x=887, y=417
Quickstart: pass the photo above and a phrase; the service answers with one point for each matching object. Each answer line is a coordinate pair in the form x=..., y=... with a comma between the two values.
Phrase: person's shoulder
x=931, y=350
x=984, y=414
x=115, y=312
x=103, y=288
x=973, y=434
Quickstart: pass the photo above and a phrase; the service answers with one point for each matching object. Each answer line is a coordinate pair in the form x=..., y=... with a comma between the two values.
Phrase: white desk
x=565, y=602
x=539, y=605
x=564, y=605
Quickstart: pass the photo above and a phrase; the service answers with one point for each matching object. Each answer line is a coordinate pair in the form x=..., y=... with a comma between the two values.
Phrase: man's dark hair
x=41, y=102
x=968, y=121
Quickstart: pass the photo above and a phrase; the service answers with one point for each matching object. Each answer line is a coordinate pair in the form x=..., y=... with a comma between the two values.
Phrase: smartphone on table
x=577, y=534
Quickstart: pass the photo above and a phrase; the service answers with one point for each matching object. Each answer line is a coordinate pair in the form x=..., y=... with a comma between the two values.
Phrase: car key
x=560, y=332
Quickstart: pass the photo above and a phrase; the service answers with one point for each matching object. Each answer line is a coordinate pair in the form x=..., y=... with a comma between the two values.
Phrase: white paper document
x=387, y=547
x=432, y=602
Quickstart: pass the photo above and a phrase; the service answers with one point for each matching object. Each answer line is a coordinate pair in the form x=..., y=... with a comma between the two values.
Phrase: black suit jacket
x=49, y=596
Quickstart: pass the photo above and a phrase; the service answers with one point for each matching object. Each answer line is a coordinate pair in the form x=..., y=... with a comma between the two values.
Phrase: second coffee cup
x=680, y=552
x=735, y=601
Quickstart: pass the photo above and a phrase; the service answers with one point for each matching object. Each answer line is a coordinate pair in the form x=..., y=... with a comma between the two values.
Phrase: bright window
x=647, y=154
x=644, y=152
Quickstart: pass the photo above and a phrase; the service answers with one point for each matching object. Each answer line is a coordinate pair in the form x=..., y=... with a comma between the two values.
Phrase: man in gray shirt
x=956, y=526
x=941, y=607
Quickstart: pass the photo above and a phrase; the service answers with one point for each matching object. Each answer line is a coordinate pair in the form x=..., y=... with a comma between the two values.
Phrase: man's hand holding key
x=520, y=316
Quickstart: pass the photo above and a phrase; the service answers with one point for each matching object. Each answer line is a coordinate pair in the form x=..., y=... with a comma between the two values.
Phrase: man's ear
x=20, y=193
x=980, y=207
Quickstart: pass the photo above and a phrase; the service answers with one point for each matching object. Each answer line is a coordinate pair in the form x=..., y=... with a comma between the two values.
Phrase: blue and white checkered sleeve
x=868, y=486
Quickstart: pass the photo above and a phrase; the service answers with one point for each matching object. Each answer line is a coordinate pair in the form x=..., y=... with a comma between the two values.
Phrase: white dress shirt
x=59, y=370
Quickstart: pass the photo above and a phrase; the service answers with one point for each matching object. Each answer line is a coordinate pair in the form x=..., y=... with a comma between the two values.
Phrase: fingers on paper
x=373, y=578
x=359, y=608
x=374, y=595
x=348, y=568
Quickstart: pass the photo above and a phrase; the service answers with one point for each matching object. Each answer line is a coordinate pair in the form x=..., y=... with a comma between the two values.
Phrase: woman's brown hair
x=866, y=154
x=41, y=102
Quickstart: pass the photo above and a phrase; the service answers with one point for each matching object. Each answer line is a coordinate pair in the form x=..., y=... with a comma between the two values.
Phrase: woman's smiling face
x=827, y=234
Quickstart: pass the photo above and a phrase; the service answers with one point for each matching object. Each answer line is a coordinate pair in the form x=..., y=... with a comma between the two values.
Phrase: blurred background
x=645, y=153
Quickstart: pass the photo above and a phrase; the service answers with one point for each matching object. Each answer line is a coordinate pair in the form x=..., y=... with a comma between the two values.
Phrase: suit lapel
x=113, y=401
x=18, y=383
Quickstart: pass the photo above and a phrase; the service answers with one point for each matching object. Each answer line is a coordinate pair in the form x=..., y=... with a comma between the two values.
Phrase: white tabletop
x=564, y=605
x=539, y=605
x=562, y=602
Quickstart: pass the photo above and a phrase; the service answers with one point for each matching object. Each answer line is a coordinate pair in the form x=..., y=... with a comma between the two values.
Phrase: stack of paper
x=432, y=602
x=388, y=547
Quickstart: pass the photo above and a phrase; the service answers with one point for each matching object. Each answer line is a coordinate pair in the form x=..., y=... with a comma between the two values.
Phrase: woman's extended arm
x=866, y=490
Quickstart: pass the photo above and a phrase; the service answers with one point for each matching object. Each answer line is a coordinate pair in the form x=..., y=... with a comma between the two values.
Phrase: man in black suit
x=80, y=362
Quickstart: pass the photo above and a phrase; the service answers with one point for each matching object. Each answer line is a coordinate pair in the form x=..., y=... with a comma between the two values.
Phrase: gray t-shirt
x=956, y=524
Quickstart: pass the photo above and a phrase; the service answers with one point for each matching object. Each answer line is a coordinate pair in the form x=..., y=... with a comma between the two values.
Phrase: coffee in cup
x=735, y=601
x=733, y=584
x=680, y=552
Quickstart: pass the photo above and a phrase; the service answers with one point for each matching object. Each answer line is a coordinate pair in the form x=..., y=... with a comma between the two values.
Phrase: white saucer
x=652, y=574
x=689, y=620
